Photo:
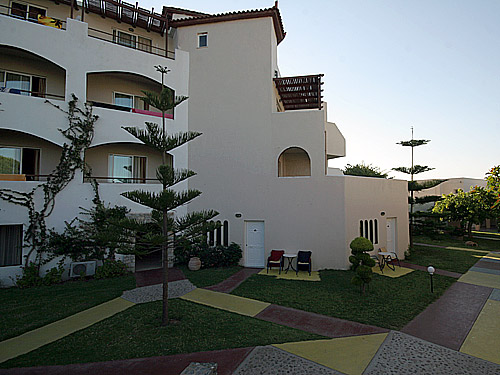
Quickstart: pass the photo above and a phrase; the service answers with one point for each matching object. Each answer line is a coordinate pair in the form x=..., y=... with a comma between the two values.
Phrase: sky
x=390, y=65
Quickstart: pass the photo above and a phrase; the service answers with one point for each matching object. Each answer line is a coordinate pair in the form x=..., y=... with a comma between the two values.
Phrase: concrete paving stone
x=291, y=275
x=481, y=278
x=268, y=360
x=155, y=276
x=227, y=361
x=228, y=302
x=398, y=271
x=36, y=338
x=455, y=275
x=350, y=355
x=485, y=270
x=495, y=294
x=483, y=340
x=492, y=265
x=155, y=292
x=232, y=282
x=315, y=323
x=448, y=320
x=487, y=258
x=403, y=354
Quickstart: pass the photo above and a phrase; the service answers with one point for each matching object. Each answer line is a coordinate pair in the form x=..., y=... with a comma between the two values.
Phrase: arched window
x=211, y=240
x=361, y=228
x=371, y=231
x=218, y=237
x=226, y=233
x=294, y=162
x=376, y=231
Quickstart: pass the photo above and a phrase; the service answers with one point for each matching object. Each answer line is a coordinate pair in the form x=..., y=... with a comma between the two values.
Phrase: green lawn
x=135, y=333
x=23, y=310
x=209, y=276
x=446, y=259
x=444, y=240
x=390, y=303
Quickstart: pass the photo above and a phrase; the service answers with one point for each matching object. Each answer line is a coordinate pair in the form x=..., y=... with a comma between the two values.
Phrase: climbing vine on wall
x=79, y=134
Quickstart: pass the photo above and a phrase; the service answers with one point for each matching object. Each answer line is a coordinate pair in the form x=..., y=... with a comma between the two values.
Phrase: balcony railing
x=37, y=94
x=128, y=109
x=94, y=33
x=30, y=17
x=122, y=180
x=144, y=47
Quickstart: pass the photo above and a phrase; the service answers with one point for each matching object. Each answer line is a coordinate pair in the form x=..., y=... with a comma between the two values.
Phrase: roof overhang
x=301, y=92
x=273, y=12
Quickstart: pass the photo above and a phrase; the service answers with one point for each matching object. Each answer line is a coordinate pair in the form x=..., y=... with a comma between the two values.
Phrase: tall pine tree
x=160, y=232
x=413, y=185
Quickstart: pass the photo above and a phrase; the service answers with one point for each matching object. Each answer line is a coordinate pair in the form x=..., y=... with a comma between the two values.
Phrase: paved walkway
x=459, y=333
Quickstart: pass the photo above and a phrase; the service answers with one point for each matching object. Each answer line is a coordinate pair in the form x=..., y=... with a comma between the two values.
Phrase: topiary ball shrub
x=361, y=263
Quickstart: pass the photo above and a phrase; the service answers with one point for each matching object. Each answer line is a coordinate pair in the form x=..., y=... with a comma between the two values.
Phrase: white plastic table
x=290, y=258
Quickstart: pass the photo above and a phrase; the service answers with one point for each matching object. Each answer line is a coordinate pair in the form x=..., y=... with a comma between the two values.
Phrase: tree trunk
x=469, y=230
x=164, y=248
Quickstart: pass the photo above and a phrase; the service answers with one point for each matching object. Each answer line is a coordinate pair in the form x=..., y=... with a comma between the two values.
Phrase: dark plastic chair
x=275, y=260
x=304, y=261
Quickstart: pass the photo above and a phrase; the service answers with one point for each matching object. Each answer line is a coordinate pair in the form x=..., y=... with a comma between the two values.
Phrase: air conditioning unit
x=77, y=268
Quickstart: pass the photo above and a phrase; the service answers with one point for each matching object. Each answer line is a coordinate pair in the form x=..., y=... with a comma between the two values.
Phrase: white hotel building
x=262, y=161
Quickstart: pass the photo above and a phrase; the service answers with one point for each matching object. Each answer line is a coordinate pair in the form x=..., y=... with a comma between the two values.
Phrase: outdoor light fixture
x=238, y=214
x=382, y=213
x=431, y=271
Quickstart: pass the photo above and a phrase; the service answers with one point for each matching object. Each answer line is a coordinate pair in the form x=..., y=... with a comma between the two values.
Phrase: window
x=202, y=40
x=226, y=233
x=10, y=245
x=26, y=11
x=219, y=233
x=294, y=162
x=369, y=230
x=123, y=100
x=131, y=101
x=20, y=160
x=144, y=44
x=23, y=84
x=127, y=169
x=132, y=41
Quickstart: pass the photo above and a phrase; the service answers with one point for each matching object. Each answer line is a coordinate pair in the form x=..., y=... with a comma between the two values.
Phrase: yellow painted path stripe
x=291, y=275
x=228, y=302
x=483, y=340
x=399, y=271
x=32, y=340
x=350, y=355
x=481, y=278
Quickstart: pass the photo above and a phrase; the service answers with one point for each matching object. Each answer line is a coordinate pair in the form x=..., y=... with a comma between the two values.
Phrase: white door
x=254, y=244
x=391, y=234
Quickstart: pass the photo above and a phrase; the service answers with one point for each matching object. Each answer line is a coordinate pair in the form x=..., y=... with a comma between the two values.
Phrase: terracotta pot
x=194, y=264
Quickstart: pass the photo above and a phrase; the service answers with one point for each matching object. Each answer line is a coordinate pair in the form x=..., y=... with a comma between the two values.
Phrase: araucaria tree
x=160, y=231
x=414, y=185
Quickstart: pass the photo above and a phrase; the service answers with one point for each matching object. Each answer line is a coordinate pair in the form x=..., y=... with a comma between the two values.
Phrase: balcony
x=27, y=74
x=300, y=92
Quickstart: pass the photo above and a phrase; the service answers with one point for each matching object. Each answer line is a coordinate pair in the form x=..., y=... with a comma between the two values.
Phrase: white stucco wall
x=79, y=54
x=377, y=198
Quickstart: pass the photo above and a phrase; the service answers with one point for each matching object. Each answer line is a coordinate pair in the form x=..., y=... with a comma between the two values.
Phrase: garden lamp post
x=431, y=271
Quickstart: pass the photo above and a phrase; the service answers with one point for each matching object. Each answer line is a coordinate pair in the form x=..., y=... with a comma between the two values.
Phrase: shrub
x=111, y=268
x=361, y=263
x=31, y=276
x=210, y=256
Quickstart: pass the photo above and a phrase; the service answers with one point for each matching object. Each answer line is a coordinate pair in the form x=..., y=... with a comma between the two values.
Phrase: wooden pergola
x=301, y=92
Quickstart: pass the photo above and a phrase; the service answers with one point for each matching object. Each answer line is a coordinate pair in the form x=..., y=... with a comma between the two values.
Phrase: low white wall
x=377, y=198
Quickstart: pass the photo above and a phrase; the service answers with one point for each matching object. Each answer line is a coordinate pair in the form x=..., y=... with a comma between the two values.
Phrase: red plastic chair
x=275, y=260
